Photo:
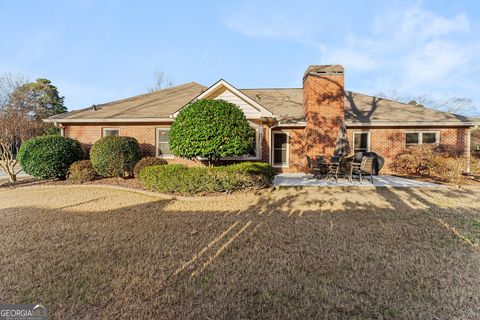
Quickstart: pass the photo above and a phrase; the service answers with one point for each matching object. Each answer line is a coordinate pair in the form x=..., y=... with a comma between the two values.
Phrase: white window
x=280, y=149
x=256, y=152
x=361, y=142
x=423, y=137
x=163, y=148
x=109, y=132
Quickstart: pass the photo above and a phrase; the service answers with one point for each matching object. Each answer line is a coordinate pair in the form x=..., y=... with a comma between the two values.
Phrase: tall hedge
x=49, y=157
x=211, y=129
x=115, y=156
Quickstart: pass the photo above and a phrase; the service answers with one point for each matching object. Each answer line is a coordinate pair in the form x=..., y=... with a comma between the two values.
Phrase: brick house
x=289, y=122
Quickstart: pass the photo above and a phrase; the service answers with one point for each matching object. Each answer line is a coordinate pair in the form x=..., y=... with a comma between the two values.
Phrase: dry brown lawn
x=327, y=253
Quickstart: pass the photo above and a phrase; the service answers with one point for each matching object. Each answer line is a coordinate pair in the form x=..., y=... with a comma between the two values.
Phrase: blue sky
x=98, y=51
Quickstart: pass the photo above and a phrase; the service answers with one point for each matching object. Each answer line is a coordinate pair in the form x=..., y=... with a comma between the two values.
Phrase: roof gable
x=222, y=90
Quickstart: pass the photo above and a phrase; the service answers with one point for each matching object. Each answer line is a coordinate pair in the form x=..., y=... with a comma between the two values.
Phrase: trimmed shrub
x=81, y=171
x=259, y=170
x=49, y=157
x=146, y=162
x=115, y=156
x=211, y=129
x=437, y=162
x=175, y=178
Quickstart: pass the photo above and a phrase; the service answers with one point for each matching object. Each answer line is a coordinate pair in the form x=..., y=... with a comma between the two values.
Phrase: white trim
x=469, y=139
x=62, y=132
x=287, y=133
x=109, y=120
x=157, y=130
x=420, y=137
x=286, y=125
x=258, y=143
x=258, y=140
x=104, y=130
x=411, y=124
x=368, y=139
x=263, y=112
x=269, y=143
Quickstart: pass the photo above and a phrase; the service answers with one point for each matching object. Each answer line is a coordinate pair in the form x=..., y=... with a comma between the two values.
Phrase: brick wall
x=323, y=100
x=390, y=141
x=145, y=133
x=296, y=150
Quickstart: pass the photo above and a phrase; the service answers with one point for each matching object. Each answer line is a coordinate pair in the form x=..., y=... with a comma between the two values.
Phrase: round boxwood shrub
x=115, y=156
x=81, y=171
x=49, y=157
x=146, y=162
x=211, y=129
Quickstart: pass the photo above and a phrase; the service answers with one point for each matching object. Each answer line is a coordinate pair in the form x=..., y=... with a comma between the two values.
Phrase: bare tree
x=457, y=105
x=162, y=81
x=8, y=84
x=15, y=124
x=391, y=94
x=452, y=105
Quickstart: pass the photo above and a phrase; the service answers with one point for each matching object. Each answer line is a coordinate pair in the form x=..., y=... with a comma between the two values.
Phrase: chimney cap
x=325, y=69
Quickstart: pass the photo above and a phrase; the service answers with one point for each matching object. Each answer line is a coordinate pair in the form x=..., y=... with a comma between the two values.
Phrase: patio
x=307, y=180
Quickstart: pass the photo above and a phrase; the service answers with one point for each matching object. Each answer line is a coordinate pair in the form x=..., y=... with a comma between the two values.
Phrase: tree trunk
x=12, y=177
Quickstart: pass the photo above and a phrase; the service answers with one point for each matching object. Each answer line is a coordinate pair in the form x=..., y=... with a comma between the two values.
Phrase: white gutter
x=109, y=120
x=469, y=132
x=412, y=124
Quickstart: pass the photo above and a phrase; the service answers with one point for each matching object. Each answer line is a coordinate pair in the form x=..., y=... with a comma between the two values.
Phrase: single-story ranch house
x=290, y=122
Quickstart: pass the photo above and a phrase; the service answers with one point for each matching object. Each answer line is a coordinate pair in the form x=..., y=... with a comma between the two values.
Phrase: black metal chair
x=333, y=169
x=315, y=170
x=364, y=168
x=322, y=165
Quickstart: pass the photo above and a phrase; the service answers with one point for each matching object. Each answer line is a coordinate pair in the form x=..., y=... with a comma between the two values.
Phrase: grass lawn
x=329, y=253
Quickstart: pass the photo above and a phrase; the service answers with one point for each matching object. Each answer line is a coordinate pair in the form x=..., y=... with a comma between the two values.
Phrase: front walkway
x=307, y=180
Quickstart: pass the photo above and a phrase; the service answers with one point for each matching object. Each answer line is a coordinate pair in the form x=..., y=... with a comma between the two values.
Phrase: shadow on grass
x=336, y=253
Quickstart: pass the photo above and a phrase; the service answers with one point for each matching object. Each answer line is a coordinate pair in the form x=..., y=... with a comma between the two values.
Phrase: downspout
x=269, y=130
x=270, y=126
x=468, y=149
x=61, y=127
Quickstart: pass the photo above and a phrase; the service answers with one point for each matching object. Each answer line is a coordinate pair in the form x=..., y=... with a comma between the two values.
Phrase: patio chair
x=335, y=159
x=346, y=164
x=363, y=168
x=322, y=165
x=333, y=169
x=315, y=170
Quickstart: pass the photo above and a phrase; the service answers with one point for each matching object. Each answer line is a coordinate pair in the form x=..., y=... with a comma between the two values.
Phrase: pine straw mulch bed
x=131, y=183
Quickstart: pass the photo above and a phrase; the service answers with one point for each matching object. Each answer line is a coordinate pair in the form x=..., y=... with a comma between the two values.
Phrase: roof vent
x=258, y=97
x=94, y=107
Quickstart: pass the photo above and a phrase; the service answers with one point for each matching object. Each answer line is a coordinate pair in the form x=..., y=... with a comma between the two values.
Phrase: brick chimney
x=323, y=102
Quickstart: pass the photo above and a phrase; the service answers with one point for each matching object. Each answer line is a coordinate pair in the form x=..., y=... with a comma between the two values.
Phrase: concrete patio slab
x=307, y=180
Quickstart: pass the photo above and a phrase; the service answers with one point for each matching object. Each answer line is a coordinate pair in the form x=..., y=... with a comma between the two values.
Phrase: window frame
x=157, y=143
x=368, y=140
x=258, y=150
x=420, y=137
x=104, y=130
x=258, y=143
x=287, y=160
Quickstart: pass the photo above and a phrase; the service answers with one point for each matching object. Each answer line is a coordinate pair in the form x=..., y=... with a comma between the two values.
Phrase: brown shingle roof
x=285, y=103
x=362, y=109
x=158, y=104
